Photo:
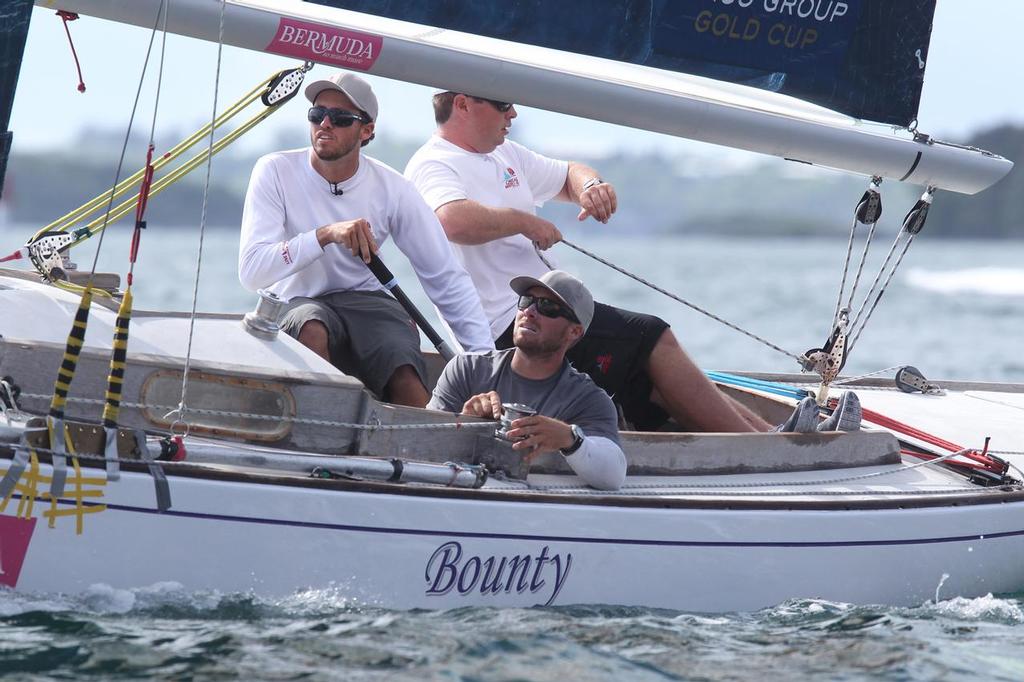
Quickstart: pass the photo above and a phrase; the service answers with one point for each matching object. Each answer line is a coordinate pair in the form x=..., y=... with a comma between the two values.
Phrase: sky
x=971, y=82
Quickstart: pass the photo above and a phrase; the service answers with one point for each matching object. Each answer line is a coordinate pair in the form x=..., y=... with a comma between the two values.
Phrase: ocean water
x=162, y=632
x=954, y=310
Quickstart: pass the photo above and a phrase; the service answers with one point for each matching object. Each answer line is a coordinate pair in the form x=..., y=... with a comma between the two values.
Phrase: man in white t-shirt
x=485, y=190
x=312, y=219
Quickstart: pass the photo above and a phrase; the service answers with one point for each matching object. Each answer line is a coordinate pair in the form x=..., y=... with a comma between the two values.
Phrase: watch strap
x=578, y=437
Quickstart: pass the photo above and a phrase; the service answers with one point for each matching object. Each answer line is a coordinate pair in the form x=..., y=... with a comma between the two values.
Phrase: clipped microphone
x=335, y=190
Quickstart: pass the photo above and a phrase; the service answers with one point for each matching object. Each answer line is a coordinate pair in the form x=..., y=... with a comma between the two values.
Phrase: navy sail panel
x=14, y=20
x=863, y=58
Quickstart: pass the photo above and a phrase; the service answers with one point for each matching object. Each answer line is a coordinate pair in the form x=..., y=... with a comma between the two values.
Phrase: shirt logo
x=604, y=362
x=510, y=179
x=286, y=254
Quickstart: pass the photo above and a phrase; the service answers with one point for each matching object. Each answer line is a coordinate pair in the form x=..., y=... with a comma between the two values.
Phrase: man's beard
x=535, y=347
x=334, y=156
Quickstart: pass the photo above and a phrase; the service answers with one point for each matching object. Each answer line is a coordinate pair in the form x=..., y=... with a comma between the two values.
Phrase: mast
x=601, y=89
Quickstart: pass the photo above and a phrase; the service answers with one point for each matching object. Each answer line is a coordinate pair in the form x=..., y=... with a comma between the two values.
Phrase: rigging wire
x=127, y=135
x=183, y=405
x=799, y=358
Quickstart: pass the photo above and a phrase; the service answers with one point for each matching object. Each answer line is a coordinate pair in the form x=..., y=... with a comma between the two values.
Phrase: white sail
x=600, y=89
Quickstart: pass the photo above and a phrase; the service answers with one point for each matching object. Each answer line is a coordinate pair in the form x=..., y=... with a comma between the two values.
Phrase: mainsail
x=578, y=85
x=863, y=58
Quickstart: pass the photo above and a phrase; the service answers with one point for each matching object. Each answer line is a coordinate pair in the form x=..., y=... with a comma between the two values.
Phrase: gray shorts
x=370, y=334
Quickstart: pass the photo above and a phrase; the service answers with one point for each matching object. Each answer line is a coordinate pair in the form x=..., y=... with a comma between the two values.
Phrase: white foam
x=981, y=608
x=990, y=281
x=103, y=598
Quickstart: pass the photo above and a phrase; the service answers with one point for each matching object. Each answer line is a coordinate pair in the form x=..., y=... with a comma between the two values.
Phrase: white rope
x=848, y=380
x=881, y=291
x=182, y=408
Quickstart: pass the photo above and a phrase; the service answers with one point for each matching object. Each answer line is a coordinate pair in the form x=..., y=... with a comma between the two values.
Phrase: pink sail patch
x=15, y=534
x=319, y=43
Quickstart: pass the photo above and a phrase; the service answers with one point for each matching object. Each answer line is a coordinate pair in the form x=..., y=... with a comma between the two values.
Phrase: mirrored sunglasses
x=547, y=307
x=340, y=118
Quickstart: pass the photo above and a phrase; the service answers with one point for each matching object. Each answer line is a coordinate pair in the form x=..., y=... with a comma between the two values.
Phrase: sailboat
x=237, y=460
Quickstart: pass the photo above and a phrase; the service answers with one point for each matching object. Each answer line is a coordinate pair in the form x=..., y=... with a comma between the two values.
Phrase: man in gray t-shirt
x=574, y=416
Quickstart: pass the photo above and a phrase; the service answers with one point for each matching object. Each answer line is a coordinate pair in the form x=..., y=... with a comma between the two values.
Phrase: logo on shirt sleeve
x=510, y=179
x=286, y=255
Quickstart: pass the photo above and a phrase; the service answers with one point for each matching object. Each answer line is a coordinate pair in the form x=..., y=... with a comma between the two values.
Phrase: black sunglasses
x=340, y=118
x=547, y=307
x=500, y=106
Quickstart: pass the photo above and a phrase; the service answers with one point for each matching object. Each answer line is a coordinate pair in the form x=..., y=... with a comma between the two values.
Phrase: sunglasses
x=340, y=118
x=547, y=307
x=500, y=106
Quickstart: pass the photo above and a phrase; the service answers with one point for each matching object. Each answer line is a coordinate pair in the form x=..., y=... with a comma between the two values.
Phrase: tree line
x=657, y=194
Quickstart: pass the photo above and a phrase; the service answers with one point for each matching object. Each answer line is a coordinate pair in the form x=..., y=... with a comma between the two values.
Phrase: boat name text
x=448, y=570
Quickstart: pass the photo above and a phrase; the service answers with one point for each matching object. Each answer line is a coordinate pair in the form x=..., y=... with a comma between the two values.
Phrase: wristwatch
x=577, y=435
x=591, y=182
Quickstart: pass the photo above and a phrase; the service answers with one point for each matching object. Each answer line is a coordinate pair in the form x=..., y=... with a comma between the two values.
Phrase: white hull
x=715, y=535
x=376, y=547
x=706, y=523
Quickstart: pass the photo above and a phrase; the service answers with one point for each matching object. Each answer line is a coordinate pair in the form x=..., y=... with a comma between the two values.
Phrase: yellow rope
x=91, y=206
x=66, y=373
x=118, y=358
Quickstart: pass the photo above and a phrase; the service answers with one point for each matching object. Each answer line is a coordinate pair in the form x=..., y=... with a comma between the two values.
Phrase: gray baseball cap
x=350, y=85
x=566, y=288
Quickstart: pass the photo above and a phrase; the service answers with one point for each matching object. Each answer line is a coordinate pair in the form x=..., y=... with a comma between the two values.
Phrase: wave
x=990, y=281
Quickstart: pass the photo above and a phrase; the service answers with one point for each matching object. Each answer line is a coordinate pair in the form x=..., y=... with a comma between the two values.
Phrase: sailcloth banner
x=863, y=58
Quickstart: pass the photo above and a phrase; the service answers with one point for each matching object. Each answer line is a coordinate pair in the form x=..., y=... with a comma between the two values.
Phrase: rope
x=848, y=380
x=183, y=407
x=124, y=146
x=846, y=269
x=799, y=358
x=863, y=262
x=881, y=291
x=71, y=16
x=283, y=418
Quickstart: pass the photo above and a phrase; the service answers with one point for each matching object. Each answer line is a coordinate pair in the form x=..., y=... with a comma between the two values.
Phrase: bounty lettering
x=446, y=570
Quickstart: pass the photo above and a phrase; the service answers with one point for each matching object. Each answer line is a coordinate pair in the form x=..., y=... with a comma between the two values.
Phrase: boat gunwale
x=853, y=501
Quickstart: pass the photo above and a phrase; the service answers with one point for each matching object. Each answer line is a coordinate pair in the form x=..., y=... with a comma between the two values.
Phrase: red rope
x=140, y=211
x=71, y=16
x=984, y=461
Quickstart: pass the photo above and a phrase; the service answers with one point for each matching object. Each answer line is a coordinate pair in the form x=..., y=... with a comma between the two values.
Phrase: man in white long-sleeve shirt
x=574, y=416
x=312, y=219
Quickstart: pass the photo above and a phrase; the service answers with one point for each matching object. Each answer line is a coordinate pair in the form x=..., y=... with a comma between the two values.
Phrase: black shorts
x=614, y=353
